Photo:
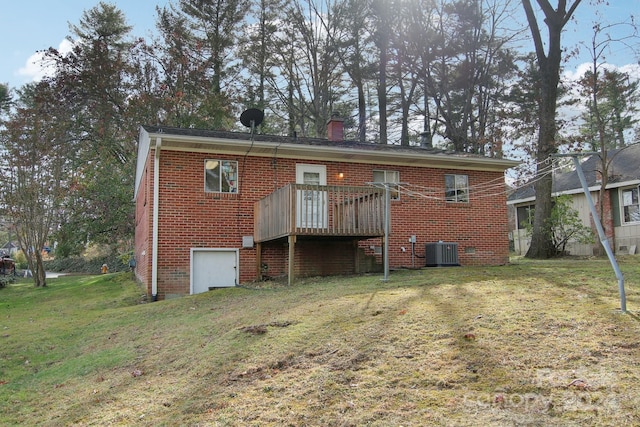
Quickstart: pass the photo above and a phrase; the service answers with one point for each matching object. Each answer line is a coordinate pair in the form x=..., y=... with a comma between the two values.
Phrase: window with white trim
x=524, y=216
x=384, y=176
x=631, y=205
x=456, y=188
x=220, y=176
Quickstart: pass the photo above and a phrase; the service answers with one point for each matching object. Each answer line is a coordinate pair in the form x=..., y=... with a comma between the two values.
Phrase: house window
x=220, y=176
x=631, y=205
x=456, y=188
x=380, y=176
x=524, y=216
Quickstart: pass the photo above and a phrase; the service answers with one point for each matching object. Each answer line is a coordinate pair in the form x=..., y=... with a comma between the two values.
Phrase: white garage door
x=213, y=268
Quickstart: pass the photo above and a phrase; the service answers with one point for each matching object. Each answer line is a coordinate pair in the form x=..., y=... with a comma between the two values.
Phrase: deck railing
x=320, y=210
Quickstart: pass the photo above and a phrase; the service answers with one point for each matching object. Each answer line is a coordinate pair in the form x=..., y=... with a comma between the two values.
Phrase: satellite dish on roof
x=251, y=117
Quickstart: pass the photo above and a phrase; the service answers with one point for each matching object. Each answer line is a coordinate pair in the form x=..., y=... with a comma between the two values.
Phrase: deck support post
x=356, y=258
x=259, y=260
x=292, y=251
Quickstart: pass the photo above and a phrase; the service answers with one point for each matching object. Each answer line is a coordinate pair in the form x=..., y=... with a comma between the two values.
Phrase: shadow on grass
x=433, y=338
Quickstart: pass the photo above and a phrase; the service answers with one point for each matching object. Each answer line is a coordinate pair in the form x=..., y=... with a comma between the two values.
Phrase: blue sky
x=27, y=26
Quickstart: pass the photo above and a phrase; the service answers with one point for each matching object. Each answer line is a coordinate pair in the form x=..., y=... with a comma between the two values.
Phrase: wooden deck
x=320, y=210
x=325, y=211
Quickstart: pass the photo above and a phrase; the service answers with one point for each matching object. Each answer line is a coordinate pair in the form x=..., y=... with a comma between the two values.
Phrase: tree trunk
x=382, y=40
x=541, y=239
x=549, y=66
x=36, y=267
x=382, y=92
x=362, y=114
x=40, y=276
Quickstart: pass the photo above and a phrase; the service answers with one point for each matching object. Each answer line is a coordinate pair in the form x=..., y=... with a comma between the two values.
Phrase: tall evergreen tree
x=5, y=98
x=93, y=82
x=256, y=51
x=616, y=98
x=355, y=52
x=214, y=29
x=383, y=24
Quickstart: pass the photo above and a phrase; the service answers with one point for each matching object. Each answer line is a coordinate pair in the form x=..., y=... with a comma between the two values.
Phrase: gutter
x=398, y=156
x=156, y=211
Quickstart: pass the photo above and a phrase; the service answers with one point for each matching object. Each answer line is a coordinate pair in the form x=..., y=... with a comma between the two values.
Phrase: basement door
x=311, y=205
x=213, y=268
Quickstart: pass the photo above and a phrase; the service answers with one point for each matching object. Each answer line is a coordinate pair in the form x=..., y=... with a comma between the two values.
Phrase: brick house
x=216, y=209
x=621, y=219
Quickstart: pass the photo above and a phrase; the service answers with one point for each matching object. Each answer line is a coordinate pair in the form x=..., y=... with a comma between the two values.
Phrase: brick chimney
x=335, y=128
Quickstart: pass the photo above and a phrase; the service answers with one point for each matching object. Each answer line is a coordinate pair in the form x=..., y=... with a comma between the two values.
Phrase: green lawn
x=536, y=343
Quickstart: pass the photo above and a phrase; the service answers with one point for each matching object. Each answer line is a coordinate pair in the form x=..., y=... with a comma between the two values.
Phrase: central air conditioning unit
x=441, y=254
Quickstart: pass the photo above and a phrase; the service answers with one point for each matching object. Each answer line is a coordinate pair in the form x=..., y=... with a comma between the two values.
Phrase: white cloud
x=577, y=74
x=35, y=68
x=633, y=70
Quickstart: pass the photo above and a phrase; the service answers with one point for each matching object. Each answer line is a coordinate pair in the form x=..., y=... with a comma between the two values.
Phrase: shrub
x=21, y=260
x=6, y=280
x=565, y=225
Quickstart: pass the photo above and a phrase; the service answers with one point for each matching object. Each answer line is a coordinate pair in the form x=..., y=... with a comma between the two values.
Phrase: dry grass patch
x=532, y=343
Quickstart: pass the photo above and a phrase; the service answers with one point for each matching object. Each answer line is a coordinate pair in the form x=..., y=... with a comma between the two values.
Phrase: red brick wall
x=312, y=258
x=324, y=258
x=607, y=221
x=190, y=218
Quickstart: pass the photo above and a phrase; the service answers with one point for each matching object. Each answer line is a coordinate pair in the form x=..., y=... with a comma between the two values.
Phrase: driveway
x=52, y=275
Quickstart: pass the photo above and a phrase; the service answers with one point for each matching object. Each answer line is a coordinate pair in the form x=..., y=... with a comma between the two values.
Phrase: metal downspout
x=156, y=210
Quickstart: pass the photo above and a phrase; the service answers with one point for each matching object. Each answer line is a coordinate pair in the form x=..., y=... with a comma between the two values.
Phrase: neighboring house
x=621, y=219
x=9, y=249
x=216, y=209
